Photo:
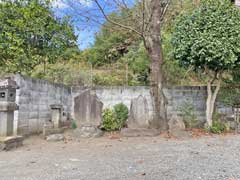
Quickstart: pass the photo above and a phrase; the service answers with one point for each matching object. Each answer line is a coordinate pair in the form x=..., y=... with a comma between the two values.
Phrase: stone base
x=55, y=137
x=12, y=142
x=180, y=134
x=49, y=131
x=87, y=131
x=130, y=132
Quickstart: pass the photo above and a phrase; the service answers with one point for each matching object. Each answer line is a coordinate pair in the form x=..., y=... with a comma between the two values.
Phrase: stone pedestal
x=10, y=142
x=49, y=129
x=87, y=131
x=56, y=115
x=139, y=132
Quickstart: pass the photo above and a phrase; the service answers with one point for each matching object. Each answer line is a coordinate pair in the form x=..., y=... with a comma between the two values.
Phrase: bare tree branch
x=116, y=23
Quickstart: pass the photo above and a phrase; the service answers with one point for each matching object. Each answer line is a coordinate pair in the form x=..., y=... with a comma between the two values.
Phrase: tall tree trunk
x=211, y=99
x=155, y=53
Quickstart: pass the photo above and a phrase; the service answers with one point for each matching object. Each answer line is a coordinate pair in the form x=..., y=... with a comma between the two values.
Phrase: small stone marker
x=56, y=115
x=55, y=137
x=177, y=127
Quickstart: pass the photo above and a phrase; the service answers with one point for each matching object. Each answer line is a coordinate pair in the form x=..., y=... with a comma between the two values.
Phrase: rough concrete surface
x=154, y=158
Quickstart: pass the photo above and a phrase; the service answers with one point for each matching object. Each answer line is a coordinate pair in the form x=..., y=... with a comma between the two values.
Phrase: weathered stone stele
x=176, y=123
x=139, y=113
x=87, y=109
x=177, y=127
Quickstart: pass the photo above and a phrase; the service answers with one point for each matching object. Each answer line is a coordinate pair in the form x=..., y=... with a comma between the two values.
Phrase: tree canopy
x=207, y=39
x=30, y=35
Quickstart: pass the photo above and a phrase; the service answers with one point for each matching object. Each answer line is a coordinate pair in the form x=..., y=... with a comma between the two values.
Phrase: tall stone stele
x=7, y=106
x=88, y=115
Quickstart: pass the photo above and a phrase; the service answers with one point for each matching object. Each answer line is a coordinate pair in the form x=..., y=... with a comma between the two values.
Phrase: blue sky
x=80, y=11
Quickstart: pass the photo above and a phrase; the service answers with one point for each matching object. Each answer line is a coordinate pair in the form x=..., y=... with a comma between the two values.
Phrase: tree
x=207, y=39
x=144, y=19
x=30, y=35
x=110, y=44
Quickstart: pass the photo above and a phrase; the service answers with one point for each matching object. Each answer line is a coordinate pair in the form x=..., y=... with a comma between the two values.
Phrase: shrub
x=73, y=124
x=217, y=127
x=114, y=119
x=121, y=114
x=109, y=120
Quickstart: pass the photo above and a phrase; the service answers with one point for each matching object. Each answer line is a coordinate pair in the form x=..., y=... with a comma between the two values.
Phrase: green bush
x=73, y=124
x=109, y=122
x=114, y=119
x=121, y=114
x=217, y=127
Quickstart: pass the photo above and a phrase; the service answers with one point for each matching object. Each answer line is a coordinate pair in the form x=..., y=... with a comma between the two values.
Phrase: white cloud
x=59, y=4
x=86, y=2
x=63, y=3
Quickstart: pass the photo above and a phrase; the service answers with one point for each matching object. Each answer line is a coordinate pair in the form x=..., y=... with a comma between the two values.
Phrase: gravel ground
x=208, y=158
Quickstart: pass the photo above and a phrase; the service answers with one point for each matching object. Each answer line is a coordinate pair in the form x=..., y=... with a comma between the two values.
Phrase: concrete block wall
x=34, y=98
x=181, y=96
x=177, y=97
x=113, y=95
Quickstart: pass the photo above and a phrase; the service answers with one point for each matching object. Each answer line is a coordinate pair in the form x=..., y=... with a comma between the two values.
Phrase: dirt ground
x=113, y=158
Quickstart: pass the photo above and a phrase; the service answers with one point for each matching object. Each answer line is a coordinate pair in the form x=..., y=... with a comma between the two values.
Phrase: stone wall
x=34, y=98
x=178, y=98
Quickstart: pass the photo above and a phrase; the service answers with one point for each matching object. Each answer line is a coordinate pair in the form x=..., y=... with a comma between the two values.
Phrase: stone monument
x=139, y=119
x=88, y=115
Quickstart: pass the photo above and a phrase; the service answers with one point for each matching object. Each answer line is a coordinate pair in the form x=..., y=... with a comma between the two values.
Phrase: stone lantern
x=7, y=106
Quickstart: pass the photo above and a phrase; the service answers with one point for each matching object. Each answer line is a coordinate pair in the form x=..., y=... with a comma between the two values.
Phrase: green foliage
x=68, y=73
x=138, y=62
x=230, y=95
x=121, y=113
x=189, y=116
x=208, y=37
x=109, y=78
x=217, y=127
x=109, y=46
x=73, y=124
x=109, y=122
x=30, y=35
x=114, y=119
